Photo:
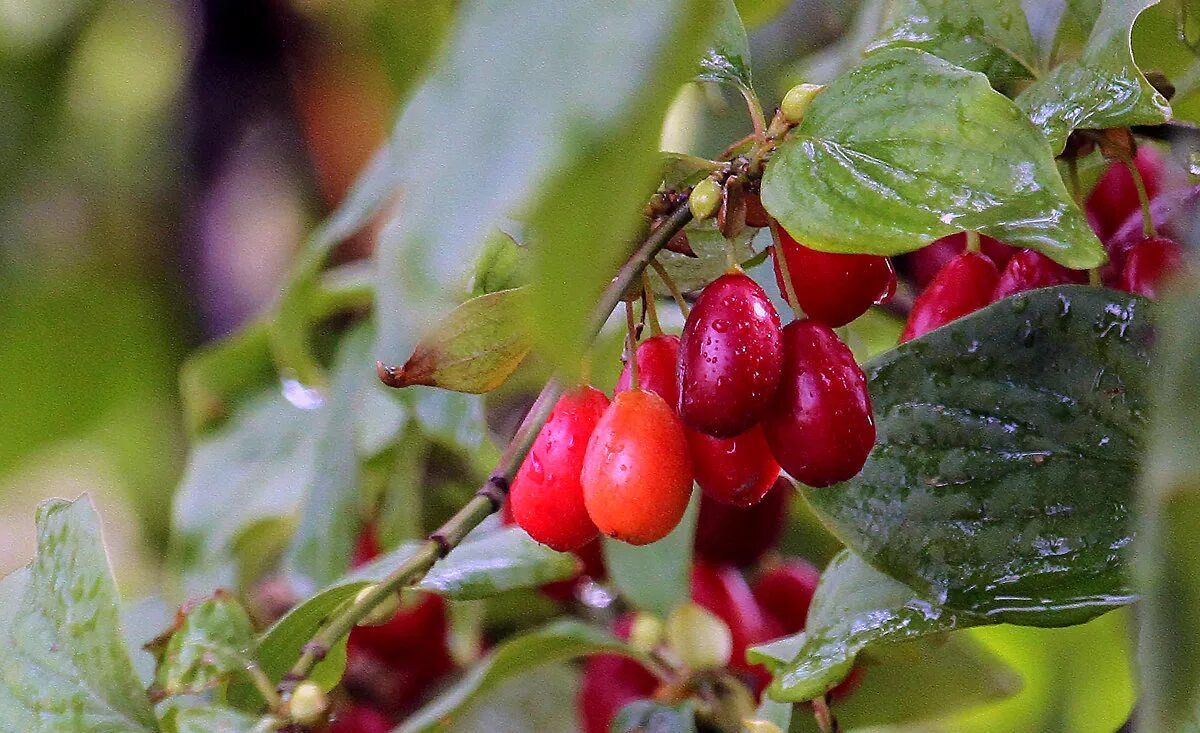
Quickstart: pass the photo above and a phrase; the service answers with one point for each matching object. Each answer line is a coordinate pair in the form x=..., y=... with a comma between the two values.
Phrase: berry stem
x=1074, y=182
x=650, y=306
x=734, y=146
x=1143, y=199
x=670, y=283
x=631, y=345
x=491, y=495
x=826, y=720
x=1094, y=277
x=756, y=111
x=789, y=287
x=973, y=243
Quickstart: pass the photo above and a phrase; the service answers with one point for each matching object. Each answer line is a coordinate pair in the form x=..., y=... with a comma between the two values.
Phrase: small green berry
x=383, y=612
x=796, y=101
x=699, y=638
x=760, y=726
x=646, y=633
x=307, y=704
x=705, y=199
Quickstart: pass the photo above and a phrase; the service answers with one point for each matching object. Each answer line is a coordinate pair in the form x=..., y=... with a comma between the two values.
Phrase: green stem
x=973, y=243
x=651, y=306
x=789, y=288
x=631, y=345
x=756, y=111
x=1143, y=199
x=1073, y=180
x=670, y=283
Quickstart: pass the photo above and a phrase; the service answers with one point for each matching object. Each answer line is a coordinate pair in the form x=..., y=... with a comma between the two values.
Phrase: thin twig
x=670, y=283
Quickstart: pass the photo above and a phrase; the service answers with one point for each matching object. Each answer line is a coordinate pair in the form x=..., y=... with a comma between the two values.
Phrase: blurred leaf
x=779, y=713
x=681, y=169
x=1103, y=88
x=756, y=13
x=195, y=716
x=710, y=262
x=503, y=265
x=827, y=64
x=908, y=148
x=218, y=375
x=988, y=36
x=556, y=642
x=1168, y=559
x=648, y=716
x=65, y=668
x=728, y=58
x=519, y=705
x=656, y=577
x=210, y=645
x=474, y=348
x=1009, y=441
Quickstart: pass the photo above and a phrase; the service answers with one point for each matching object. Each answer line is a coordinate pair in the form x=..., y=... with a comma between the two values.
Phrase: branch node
x=442, y=543
x=317, y=650
x=494, y=490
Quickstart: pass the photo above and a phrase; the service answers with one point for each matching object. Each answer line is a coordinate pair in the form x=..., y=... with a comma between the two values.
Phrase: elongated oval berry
x=658, y=368
x=732, y=535
x=820, y=426
x=1115, y=196
x=547, y=497
x=729, y=358
x=738, y=470
x=835, y=288
x=723, y=590
x=786, y=591
x=924, y=264
x=1029, y=270
x=637, y=476
x=1149, y=264
x=963, y=286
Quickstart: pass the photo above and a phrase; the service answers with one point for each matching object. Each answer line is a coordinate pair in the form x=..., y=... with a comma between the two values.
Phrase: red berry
x=756, y=215
x=1149, y=264
x=963, y=286
x=923, y=265
x=786, y=592
x=1029, y=270
x=610, y=682
x=658, y=368
x=1115, y=196
x=820, y=426
x=729, y=358
x=356, y=718
x=834, y=288
x=738, y=470
x=723, y=590
x=366, y=548
x=546, y=497
x=739, y=536
x=637, y=476
x=416, y=629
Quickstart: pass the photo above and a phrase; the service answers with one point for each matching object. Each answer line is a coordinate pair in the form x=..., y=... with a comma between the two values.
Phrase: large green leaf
x=1168, y=560
x=1102, y=88
x=65, y=668
x=907, y=148
x=989, y=36
x=559, y=641
x=1008, y=444
x=656, y=577
x=212, y=643
x=728, y=58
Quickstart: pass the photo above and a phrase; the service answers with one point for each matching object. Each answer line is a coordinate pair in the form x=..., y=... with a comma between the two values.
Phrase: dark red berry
x=356, y=718
x=723, y=590
x=658, y=368
x=1149, y=265
x=820, y=426
x=730, y=357
x=1029, y=270
x=610, y=682
x=730, y=535
x=963, y=286
x=1115, y=196
x=834, y=288
x=756, y=215
x=547, y=497
x=786, y=591
x=923, y=265
x=738, y=470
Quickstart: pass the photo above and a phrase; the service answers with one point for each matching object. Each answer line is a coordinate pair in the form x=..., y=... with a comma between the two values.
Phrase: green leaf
x=710, y=262
x=218, y=375
x=1008, y=444
x=907, y=148
x=519, y=705
x=728, y=59
x=195, y=716
x=656, y=577
x=1168, y=560
x=503, y=265
x=681, y=169
x=211, y=644
x=988, y=36
x=475, y=348
x=1103, y=88
x=65, y=668
x=556, y=642
x=648, y=716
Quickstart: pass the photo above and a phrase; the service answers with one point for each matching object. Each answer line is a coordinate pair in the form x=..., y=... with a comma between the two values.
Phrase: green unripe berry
x=760, y=726
x=383, y=612
x=796, y=101
x=307, y=704
x=705, y=199
x=699, y=638
x=646, y=633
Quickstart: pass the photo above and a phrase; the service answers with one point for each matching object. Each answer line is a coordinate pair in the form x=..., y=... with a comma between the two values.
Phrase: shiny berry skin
x=756, y=215
x=786, y=591
x=546, y=496
x=834, y=288
x=963, y=286
x=820, y=426
x=1115, y=196
x=729, y=358
x=723, y=590
x=637, y=475
x=610, y=682
x=1029, y=270
x=1149, y=264
x=739, y=536
x=738, y=470
x=356, y=718
x=658, y=368
x=923, y=265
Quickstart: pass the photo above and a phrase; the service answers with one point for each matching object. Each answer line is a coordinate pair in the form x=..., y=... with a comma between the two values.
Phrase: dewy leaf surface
x=65, y=668
x=211, y=644
x=728, y=59
x=1008, y=445
x=907, y=148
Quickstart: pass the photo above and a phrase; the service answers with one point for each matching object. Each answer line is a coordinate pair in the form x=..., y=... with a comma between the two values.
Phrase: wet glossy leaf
x=647, y=716
x=655, y=577
x=65, y=668
x=557, y=642
x=1168, y=561
x=196, y=716
x=474, y=348
x=728, y=59
x=1008, y=445
x=1102, y=88
x=988, y=36
x=212, y=643
x=907, y=148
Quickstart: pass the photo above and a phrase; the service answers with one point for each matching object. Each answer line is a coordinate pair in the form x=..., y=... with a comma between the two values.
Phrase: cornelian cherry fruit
x=923, y=265
x=637, y=476
x=357, y=718
x=834, y=288
x=723, y=590
x=756, y=215
x=546, y=497
x=786, y=591
x=729, y=358
x=658, y=368
x=740, y=536
x=610, y=682
x=1149, y=264
x=963, y=286
x=1029, y=270
x=1115, y=196
x=738, y=470
x=820, y=426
